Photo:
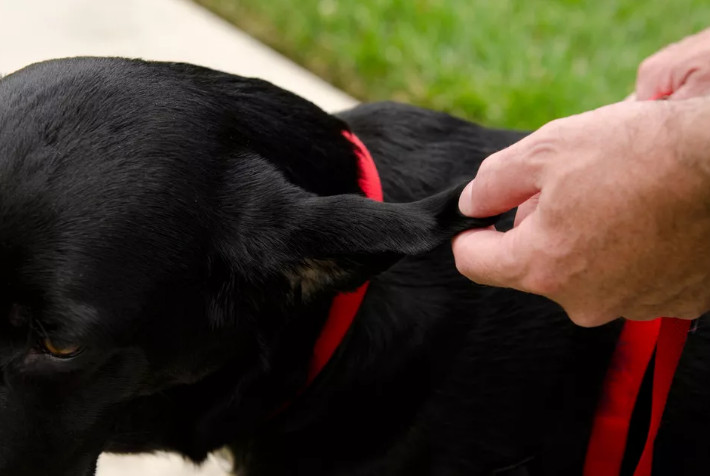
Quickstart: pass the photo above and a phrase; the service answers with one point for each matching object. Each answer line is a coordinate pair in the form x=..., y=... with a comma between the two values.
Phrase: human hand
x=680, y=70
x=613, y=217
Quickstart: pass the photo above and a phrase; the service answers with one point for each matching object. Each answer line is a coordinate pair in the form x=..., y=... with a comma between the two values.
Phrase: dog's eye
x=60, y=351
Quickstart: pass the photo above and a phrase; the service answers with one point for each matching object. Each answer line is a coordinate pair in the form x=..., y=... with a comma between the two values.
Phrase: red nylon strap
x=633, y=352
x=345, y=305
x=670, y=346
x=629, y=361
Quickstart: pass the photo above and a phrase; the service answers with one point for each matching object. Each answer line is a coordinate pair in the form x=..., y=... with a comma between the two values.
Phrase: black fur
x=189, y=228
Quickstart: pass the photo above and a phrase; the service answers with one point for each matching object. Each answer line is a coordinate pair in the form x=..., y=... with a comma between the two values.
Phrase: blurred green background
x=501, y=62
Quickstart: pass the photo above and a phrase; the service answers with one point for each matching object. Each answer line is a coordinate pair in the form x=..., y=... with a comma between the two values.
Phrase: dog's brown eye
x=62, y=352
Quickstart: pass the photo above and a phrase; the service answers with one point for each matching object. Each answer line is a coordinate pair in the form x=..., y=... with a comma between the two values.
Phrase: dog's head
x=162, y=228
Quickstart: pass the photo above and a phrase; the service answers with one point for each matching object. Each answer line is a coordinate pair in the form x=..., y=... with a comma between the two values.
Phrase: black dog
x=171, y=239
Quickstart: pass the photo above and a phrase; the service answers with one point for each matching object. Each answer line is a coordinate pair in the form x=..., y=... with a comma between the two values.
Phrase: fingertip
x=465, y=203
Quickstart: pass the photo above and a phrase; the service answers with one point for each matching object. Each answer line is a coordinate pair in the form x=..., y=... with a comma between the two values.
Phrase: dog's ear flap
x=341, y=241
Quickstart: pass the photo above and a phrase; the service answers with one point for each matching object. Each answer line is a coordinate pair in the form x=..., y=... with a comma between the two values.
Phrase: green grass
x=513, y=63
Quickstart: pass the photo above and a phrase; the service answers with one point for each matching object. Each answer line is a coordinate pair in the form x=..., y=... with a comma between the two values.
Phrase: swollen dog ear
x=344, y=240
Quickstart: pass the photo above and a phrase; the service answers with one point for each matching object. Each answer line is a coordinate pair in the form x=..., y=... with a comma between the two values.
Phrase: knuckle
x=661, y=60
x=548, y=139
x=549, y=130
x=543, y=146
x=488, y=167
x=486, y=177
x=495, y=162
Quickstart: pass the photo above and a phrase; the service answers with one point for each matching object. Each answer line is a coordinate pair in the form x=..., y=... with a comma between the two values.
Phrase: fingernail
x=465, y=200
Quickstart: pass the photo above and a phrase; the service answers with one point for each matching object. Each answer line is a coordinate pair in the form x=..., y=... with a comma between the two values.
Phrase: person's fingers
x=505, y=180
x=686, y=80
x=526, y=209
x=661, y=74
x=697, y=84
x=647, y=88
x=654, y=78
x=655, y=93
x=485, y=256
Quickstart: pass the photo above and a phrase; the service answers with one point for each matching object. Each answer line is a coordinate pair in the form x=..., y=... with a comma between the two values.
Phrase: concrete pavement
x=172, y=30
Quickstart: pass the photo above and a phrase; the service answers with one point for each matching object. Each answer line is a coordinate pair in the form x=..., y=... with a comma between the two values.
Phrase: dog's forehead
x=46, y=100
x=73, y=321
x=43, y=300
x=93, y=110
x=86, y=163
x=73, y=79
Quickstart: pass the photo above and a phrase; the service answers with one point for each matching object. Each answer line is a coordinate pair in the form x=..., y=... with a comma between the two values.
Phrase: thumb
x=486, y=257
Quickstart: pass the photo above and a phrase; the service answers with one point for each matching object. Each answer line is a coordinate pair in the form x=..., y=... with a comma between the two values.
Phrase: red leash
x=671, y=341
x=633, y=352
x=634, y=349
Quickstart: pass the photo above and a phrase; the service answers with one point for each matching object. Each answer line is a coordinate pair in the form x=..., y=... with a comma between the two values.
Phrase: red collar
x=345, y=305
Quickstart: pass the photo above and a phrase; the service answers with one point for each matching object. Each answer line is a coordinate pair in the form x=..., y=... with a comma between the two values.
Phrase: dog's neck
x=344, y=306
x=335, y=162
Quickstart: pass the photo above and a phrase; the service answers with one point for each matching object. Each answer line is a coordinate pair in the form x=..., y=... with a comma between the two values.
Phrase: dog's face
x=160, y=227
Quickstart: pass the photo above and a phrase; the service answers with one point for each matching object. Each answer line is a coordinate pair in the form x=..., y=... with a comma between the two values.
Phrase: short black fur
x=189, y=228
